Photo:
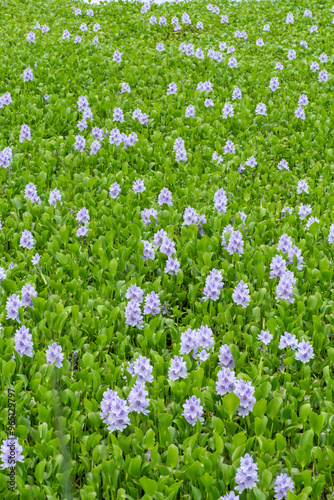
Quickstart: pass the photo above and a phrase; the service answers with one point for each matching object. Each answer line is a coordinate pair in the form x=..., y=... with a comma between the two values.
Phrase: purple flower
x=261, y=109
x=314, y=29
x=323, y=58
x=134, y=292
x=27, y=292
x=12, y=306
x=172, y=88
x=303, y=100
x=283, y=483
x=133, y=314
x=266, y=27
x=246, y=476
x=25, y=133
x=147, y=213
x=220, y=201
x=199, y=53
x=27, y=75
x=6, y=156
x=279, y=66
x=82, y=231
x=114, y=190
x=165, y=197
x=160, y=47
x=188, y=341
x=235, y=243
x=172, y=266
x=274, y=84
x=228, y=110
x=225, y=357
x=118, y=415
x=148, y=251
x=199, y=25
x=260, y=42
x=118, y=115
x=80, y=143
x=77, y=39
x=232, y=62
x=277, y=267
x=331, y=234
x=311, y=221
x=27, y=240
x=137, y=399
x=304, y=211
x=265, y=337
x=213, y=285
x=83, y=216
x=314, y=67
x=304, y=352
x=143, y=369
x=54, y=196
x=236, y=94
x=193, y=410
x=82, y=125
x=226, y=381
x=241, y=294
x=152, y=304
x=11, y=453
x=177, y=369
x=95, y=146
x=54, y=355
x=138, y=186
x=190, y=111
x=23, y=342
x=245, y=392
x=291, y=54
x=167, y=247
x=35, y=259
x=31, y=37
x=82, y=103
x=225, y=234
x=289, y=18
x=323, y=76
x=190, y=216
x=117, y=57
x=300, y=113
x=285, y=287
x=45, y=28
x=229, y=148
x=284, y=243
x=224, y=19
x=162, y=21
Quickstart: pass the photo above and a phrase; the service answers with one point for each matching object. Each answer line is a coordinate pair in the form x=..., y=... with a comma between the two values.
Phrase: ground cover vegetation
x=166, y=264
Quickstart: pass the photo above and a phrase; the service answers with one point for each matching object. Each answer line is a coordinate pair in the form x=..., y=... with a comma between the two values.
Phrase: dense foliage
x=238, y=285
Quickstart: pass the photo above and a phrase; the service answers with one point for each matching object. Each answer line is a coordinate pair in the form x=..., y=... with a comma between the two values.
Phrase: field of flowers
x=166, y=265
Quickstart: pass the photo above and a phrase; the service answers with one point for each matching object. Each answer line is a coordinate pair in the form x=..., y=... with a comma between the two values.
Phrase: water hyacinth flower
x=177, y=369
x=193, y=410
x=314, y=29
x=90, y=12
x=232, y=62
x=95, y=146
x=54, y=196
x=162, y=21
x=134, y=292
x=3, y=274
x=199, y=53
x=224, y=19
x=228, y=110
x=285, y=287
x=118, y=415
x=114, y=190
x=172, y=266
x=283, y=484
x=265, y=337
x=172, y=88
x=160, y=47
x=148, y=251
x=225, y=357
x=54, y=355
x=303, y=100
x=27, y=240
x=220, y=201
x=266, y=27
x=304, y=211
x=143, y=369
x=251, y=162
x=83, y=216
x=133, y=314
x=277, y=267
x=137, y=399
x=167, y=247
x=213, y=285
x=31, y=37
x=35, y=259
x=226, y=381
x=147, y=213
x=12, y=306
x=289, y=18
x=245, y=392
x=279, y=66
x=83, y=27
x=294, y=250
x=138, y=186
x=260, y=42
x=304, y=352
x=235, y=243
x=45, y=28
x=117, y=57
x=28, y=75
x=165, y=197
x=323, y=76
x=283, y=165
x=82, y=125
x=323, y=58
x=300, y=113
x=284, y=243
x=80, y=143
x=152, y=304
x=241, y=294
x=261, y=109
x=247, y=475
x=274, y=84
x=311, y=221
x=199, y=25
x=77, y=39
x=11, y=452
x=28, y=292
x=236, y=94
x=229, y=148
x=23, y=342
x=331, y=234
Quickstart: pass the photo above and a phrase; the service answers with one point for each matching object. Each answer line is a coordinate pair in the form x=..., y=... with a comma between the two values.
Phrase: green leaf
x=9, y=368
x=259, y=408
x=231, y=403
x=274, y=406
x=172, y=456
x=149, y=486
x=39, y=471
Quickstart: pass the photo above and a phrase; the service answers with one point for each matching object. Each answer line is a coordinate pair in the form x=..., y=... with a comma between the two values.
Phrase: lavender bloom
x=172, y=266
x=260, y=42
x=82, y=125
x=314, y=29
x=153, y=19
x=190, y=111
x=12, y=306
x=147, y=213
x=265, y=337
x=25, y=133
x=186, y=18
x=118, y=416
x=143, y=369
x=30, y=191
x=45, y=28
x=165, y=197
x=300, y=113
x=31, y=37
x=134, y=292
x=283, y=165
x=83, y=27
x=90, y=12
x=224, y=19
x=199, y=25
x=303, y=100
x=288, y=340
x=243, y=216
x=232, y=62
x=27, y=75
x=182, y=47
x=251, y=162
x=228, y=110
x=274, y=84
x=167, y=247
x=323, y=58
x=160, y=47
x=78, y=39
x=331, y=234
x=286, y=210
x=235, y=243
x=323, y=76
x=266, y=27
x=291, y=54
x=190, y=216
x=138, y=186
x=137, y=399
x=283, y=481
x=54, y=196
x=305, y=352
x=95, y=146
x=11, y=453
x=35, y=259
x=159, y=237
x=285, y=287
x=5, y=100
x=193, y=410
x=82, y=103
x=162, y=21
x=225, y=357
x=77, y=12
x=304, y=44
x=133, y=314
x=277, y=267
x=118, y=115
x=220, y=201
x=152, y=304
x=3, y=274
x=241, y=294
x=289, y=18
x=108, y=398
x=148, y=252
x=172, y=88
x=82, y=231
x=27, y=240
x=98, y=133
x=199, y=53
x=27, y=292
x=245, y=392
x=115, y=137
x=213, y=285
x=230, y=50
x=261, y=109
x=284, y=243
x=236, y=94
x=314, y=67
x=304, y=211
x=307, y=13
x=246, y=476
x=279, y=66
x=226, y=232
x=117, y=57
x=177, y=369
x=23, y=342
x=80, y=143
x=114, y=190
x=188, y=341
x=54, y=355
x=229, y=148
x=83, y=216
x=226, y=381
x=311, y=221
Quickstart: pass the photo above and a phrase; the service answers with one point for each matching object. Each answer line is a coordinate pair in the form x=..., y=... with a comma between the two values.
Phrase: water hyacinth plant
x=167, y=245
